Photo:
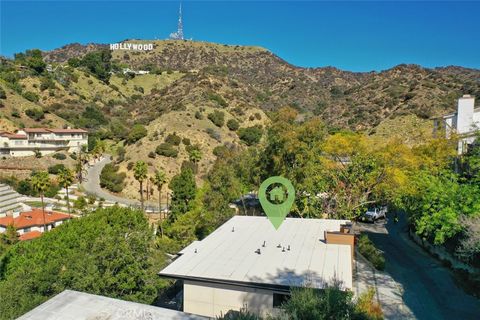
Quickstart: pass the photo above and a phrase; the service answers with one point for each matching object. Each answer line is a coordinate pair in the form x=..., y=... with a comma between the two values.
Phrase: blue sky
x=356, y=36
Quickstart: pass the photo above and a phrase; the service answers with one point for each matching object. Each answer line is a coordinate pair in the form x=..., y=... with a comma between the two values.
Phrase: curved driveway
x=92, y=185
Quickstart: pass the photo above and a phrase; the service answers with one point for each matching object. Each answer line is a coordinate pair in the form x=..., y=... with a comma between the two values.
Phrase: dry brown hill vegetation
x=188, y=77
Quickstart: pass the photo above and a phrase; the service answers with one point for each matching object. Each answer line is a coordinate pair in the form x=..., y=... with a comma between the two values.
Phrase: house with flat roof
x=465, y=123
x=26, y=142
x=246, y=263
x=30, y=224
x=74, y=305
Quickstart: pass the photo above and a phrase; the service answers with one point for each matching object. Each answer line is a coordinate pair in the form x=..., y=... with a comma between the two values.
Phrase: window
x=279, y=299
x=25, y=230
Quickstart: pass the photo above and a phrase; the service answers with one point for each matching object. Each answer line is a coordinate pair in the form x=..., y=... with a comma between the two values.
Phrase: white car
x=376, y=213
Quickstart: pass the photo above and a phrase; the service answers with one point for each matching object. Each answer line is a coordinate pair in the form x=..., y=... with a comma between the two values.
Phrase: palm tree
x=40, y=183
x=159, y=179
x=195, y=157
x=65, y=179
x=82, y=157
x=140, y=173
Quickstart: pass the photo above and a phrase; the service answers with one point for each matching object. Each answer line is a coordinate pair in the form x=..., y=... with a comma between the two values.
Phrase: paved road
x=430, y=291
x=92, y=185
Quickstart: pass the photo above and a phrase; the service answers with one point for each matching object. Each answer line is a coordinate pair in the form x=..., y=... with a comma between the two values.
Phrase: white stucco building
x=465, y=123
x=25, y=142
x=247, y=264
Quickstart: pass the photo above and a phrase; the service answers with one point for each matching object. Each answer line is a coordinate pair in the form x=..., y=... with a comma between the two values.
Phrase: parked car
x=373, y=214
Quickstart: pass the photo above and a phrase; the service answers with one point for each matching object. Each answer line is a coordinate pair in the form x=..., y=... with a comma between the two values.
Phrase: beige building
x=247, y=264
x=26, y=142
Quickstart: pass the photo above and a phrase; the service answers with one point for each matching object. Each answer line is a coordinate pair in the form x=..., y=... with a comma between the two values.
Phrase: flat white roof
x=228, y=254
x=74, y=305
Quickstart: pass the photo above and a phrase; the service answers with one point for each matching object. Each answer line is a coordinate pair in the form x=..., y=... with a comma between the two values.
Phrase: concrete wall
x=214, y=300
x=442, y=254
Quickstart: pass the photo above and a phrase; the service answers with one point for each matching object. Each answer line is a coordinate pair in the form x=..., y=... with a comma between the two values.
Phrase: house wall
x=45, y=143
x=213, y=300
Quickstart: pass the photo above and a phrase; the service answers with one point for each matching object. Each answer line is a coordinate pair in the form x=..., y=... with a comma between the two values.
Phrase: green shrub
x=3, y=94
x=52, y=190
x=46, y=83
x=173, y=139
x=138, y=132
x=218, y=99
x=55, y=169
x=214, y=134
x=15, y=113
x=59, y=156
x=30, y=96
x=219, y=151
x=111, y=179
x=186, y=141
x=198, y=115
x=35, y=114
x=166, y=150
x=217, y=117
x=372, y=254
x=250, y=135
x=233, y=124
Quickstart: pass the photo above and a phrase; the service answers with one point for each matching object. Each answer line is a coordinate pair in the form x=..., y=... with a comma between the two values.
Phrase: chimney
x=465, y=108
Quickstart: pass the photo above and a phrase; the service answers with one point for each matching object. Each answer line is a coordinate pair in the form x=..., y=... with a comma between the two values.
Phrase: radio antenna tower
x=179, y=34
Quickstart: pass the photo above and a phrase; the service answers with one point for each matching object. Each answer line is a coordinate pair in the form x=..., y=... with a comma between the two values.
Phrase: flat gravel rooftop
x=294, y=255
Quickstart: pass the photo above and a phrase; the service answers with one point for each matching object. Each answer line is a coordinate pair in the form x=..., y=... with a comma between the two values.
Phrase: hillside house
x=465, y=123
x=26, y=142
x=246, y=263
x=30, y=225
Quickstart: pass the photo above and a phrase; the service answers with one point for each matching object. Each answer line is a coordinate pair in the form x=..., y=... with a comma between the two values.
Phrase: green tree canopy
x=183, y=188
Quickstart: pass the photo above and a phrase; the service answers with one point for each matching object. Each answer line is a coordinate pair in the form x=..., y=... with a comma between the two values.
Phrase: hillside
x=85, y=88
x=346, y=99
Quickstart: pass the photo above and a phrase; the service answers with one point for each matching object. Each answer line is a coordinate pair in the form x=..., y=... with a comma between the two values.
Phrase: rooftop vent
x=264, y=243
x=233, y=229
x=279, y=245
x=258, y=251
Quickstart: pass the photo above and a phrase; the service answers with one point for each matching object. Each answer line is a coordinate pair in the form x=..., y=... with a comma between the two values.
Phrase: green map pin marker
x=276, y=195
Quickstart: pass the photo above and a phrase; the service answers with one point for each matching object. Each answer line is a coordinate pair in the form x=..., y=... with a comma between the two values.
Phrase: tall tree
x=159, y=179
x=41, y=182
x=195, y=156
x=183, y=191
x=140, y=172
x=65, y=179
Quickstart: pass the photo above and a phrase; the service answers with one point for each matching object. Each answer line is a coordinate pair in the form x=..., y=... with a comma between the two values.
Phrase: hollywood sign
x=132, y=46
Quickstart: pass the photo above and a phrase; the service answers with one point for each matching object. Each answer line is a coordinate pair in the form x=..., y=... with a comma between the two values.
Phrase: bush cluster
x=111, y=179
x=217, y=117
x=166, y=150
x=55, y=169
x=250, y=135
x=372, y=254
